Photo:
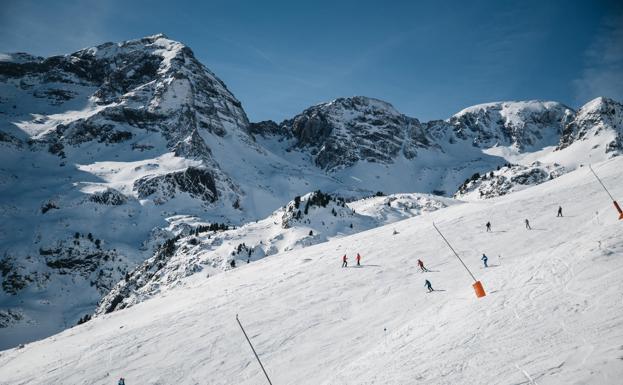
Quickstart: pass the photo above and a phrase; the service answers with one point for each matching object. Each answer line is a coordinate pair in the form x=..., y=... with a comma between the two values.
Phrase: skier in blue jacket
x=484, y=259
x=428, y=285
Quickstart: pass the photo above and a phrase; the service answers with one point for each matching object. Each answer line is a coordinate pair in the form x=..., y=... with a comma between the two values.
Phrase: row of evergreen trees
x=211, y=227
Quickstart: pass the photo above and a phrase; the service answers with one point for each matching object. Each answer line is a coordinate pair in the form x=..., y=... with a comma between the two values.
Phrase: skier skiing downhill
x=121, y=381
x=559, y=211
x=428, y=285
x=344, y=261
x=421, y=265
x=358, y=259
x=484, y=259
x=528, y=225
x=488, y=226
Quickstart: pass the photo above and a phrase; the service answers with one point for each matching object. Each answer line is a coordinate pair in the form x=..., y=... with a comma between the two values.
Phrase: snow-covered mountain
x=600, y=119
x=524, y=126
x=552, y=313
x=98, y=148
x=113, y=152
x=345, y=131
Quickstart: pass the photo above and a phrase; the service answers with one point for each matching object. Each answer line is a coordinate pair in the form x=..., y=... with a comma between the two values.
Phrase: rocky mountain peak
x=346, y=130
x=599, y=117
x=525, y=125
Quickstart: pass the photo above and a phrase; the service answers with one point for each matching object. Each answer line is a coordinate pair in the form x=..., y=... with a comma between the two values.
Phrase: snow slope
x=552, y=315
x=294, y=226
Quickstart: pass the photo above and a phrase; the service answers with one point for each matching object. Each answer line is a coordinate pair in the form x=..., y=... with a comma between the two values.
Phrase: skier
x=484, y=259
x=421, y=265
x=232, y=263
x=121, y=381
x=344, y=261
x=528, y=225
x=488, y=226
x=428, y=285
x=559, y=211
x=358, y=259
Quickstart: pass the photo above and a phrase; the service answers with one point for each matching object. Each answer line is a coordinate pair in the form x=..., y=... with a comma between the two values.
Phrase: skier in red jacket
x=421, y=265
x=358, y=259
x=344, y=261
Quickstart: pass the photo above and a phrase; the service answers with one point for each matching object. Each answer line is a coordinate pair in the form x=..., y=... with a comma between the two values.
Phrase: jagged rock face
x=507, y=179
x=268, y=128
x=347, y=130
x=110, y=197
x=597, y=117
x=197, y=182
x=10, y=317
x=523, y=125
x=141, y=82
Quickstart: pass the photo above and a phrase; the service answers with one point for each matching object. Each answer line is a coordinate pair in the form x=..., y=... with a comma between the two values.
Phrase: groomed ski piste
x=553, y=313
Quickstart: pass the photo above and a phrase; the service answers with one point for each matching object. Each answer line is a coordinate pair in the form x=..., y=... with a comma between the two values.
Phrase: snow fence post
x=616, y=205
x=480, y=291
x=251, y=345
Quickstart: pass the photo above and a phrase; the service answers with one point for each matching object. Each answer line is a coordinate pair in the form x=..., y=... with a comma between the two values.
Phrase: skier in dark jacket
x=488, y=226
x=484, y=259
x=528, y=225
x=121, y=381
x=428, y=285
x=421, y=265
x=559, y=211
x=344, y=261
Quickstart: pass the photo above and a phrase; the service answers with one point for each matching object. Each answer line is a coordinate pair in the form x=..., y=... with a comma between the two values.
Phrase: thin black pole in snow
x=251, y=345
x=455, y=253
x=601, y=183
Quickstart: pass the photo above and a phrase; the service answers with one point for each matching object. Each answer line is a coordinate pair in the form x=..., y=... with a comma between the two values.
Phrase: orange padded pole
x=480, y=291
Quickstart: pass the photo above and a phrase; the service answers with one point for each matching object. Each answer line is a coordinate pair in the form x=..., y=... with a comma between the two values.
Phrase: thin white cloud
x=603, y=72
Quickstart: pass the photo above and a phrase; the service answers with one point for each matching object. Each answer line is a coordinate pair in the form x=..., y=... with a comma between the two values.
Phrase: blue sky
x=428, y=58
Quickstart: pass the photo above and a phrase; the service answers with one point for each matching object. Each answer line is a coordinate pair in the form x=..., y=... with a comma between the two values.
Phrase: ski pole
x=251, y=345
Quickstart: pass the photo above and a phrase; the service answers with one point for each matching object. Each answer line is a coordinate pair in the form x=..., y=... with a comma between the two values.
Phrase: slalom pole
x=251, y=345
x=480, y=291
x=616, y=205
